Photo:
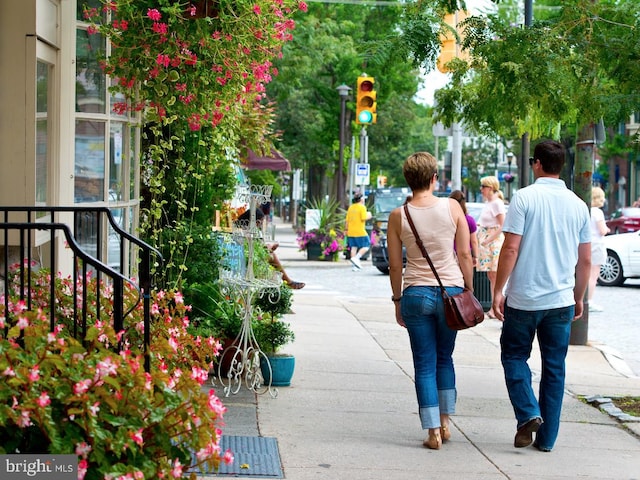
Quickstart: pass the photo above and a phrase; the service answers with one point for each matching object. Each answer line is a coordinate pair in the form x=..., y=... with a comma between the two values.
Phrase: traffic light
x=449, y=47
x=365, y=101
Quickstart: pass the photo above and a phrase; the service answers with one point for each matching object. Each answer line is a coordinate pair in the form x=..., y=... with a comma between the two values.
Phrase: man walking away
x=546, y=259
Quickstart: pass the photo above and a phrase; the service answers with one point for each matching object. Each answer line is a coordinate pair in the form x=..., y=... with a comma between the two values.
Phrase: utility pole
x=525, y=153
x=343, y=91
x=585, y=156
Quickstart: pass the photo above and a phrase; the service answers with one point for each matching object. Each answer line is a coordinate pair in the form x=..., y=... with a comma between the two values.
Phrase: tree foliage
x=578, y=64
x=332, y=45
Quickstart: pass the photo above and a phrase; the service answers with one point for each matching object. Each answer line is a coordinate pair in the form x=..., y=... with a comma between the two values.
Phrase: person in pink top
x=490, y=236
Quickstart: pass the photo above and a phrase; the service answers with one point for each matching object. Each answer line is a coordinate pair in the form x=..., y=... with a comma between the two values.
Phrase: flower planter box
x=314, y=252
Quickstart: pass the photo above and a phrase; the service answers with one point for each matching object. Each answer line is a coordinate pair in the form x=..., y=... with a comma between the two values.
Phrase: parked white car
x=623, y=259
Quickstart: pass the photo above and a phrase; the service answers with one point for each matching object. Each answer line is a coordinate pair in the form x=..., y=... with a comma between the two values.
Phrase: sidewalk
x=351, y=410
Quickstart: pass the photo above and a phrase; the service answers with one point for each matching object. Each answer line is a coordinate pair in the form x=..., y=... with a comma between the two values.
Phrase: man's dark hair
x=551, y=155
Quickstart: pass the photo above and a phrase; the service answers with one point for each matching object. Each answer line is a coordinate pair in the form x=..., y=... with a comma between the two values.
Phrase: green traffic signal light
x=365, y=116
x=365, y=100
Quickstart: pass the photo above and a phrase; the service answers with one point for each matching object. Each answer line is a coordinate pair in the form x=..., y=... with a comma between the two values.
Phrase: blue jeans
x=553, y=328
x=432, y=344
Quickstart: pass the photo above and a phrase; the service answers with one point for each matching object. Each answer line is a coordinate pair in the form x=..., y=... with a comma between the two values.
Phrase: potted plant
x=324, y=241
x=272, y=333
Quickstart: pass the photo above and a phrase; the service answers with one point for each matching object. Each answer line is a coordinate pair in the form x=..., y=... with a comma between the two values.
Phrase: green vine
x=197, y=72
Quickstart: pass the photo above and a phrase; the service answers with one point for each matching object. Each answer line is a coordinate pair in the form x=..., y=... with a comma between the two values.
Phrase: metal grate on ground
x=255, y=457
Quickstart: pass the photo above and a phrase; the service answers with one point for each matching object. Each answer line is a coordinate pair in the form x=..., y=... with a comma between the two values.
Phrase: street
x=618, y=326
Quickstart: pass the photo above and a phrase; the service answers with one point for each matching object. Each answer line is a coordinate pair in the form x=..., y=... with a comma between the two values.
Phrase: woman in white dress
x=598, y=251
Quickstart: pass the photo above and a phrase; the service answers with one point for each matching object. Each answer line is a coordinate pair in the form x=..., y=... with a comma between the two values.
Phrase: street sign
x=362, y=173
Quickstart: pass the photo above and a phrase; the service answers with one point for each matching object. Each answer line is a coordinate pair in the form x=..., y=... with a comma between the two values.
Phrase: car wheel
x=384, y=270
x=611, y=274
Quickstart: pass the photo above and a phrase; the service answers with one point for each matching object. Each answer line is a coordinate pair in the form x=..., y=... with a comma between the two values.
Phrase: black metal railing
x=27, y=230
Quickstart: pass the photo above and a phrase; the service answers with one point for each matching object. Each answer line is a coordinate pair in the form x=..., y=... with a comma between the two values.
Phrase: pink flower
x=34, y=374
x=83, y=466
x=147, y=381
x=215, y=404
x=154, y=14
x=179, y=299
x=303, y=6
x=257, y=10
x=24, y=420
x=160, y=28
x=163, y=60
x=81, y=387
x=9, y=372
x=106, y=367
x=23, y=322
x=83, y=449
x=200, y=375
x=95, y=408
x=44, y=400
x=192, y=11
x=177, y=469
x=228, y=457
x=137, y=437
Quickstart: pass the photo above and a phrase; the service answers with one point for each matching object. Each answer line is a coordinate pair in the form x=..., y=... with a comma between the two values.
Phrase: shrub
x=95, y=399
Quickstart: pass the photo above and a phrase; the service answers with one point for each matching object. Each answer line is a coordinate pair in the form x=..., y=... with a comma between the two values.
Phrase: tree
x=569, y=69
x=334, y=44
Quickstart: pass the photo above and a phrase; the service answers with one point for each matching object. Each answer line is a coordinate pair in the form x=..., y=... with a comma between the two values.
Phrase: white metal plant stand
x=244, y=356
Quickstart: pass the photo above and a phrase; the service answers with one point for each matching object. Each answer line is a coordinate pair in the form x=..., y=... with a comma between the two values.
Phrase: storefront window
x=106, y=141
x=89, y=161
x=91, y=83
x=42, y=132
x=116, y=176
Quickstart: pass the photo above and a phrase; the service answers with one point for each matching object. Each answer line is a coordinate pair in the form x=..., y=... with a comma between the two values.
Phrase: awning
x=275, y=161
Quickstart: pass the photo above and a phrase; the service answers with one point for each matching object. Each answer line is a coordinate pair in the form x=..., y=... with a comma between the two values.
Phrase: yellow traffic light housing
x=366, y=104
x=449, y=46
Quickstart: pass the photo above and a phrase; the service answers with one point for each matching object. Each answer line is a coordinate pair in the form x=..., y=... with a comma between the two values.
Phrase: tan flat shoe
x=433, y=441
x=445, y=433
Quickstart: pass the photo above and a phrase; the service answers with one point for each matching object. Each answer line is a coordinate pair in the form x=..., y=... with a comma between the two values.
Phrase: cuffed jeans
x=432, y=344
x=553, y=328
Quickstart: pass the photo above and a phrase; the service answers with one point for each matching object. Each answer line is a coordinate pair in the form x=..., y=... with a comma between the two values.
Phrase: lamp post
x=343, y=91
x=509, y=178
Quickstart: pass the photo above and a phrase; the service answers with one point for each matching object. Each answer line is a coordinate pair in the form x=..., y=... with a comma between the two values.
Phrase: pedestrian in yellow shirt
x=357, y=238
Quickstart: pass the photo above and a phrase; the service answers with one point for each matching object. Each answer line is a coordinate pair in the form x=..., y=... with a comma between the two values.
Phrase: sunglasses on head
x=532, y=161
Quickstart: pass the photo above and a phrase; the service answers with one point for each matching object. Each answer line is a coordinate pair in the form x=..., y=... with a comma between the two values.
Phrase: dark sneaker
x=524, y=435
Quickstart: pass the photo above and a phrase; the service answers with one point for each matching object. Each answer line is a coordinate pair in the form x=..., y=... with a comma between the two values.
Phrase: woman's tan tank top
x=437, y=230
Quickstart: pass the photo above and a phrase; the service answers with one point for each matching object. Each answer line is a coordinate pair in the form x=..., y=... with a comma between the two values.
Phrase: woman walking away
x=473, y=228
x=490, y=236
x=598, y=251
x=419, y=307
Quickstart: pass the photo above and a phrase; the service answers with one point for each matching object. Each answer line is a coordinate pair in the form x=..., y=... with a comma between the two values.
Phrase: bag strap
x=422, y=248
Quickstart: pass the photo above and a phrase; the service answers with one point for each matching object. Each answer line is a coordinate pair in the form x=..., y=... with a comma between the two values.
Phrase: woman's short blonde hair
x=597, y=197
x=492, y=182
